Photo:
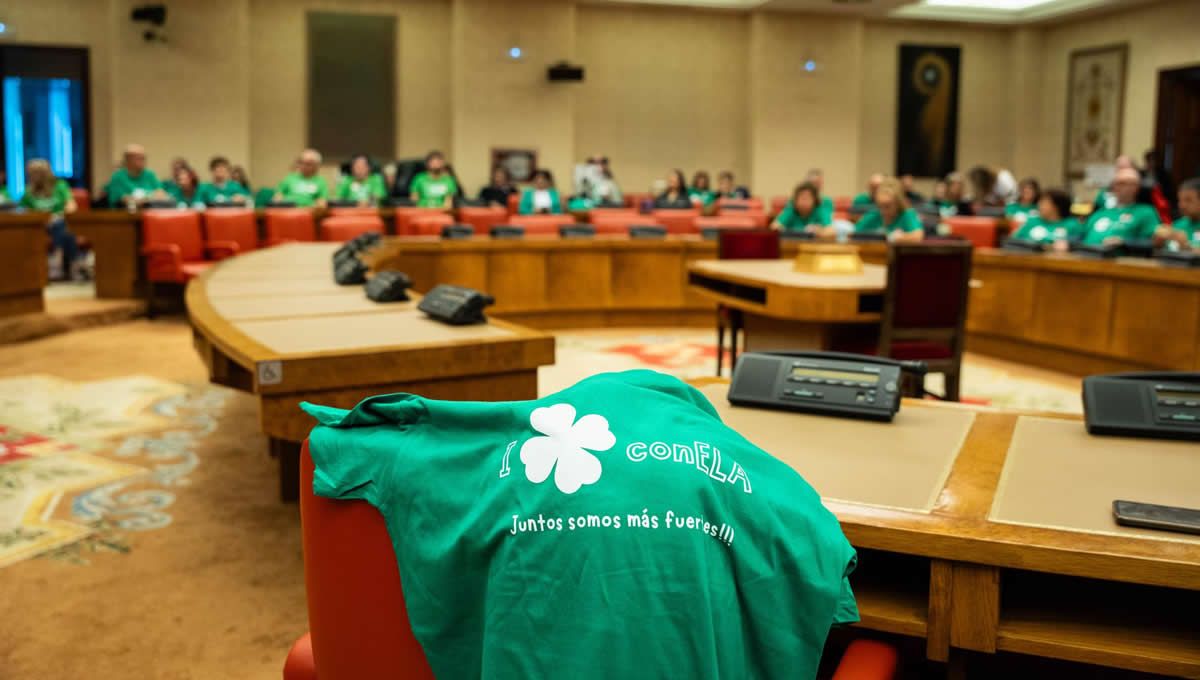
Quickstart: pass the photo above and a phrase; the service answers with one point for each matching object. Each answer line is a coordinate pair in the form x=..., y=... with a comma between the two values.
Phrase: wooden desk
x=23, y=243
x=1084, y=316
x=963, y=575
x=116, y=240
x=273, y=323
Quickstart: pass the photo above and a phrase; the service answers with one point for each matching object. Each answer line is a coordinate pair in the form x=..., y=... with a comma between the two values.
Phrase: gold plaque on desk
x=828, y=258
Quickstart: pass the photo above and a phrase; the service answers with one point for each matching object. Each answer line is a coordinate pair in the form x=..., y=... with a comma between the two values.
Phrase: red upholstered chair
x=636, y=199
x=677, y=221
x=752, y=203
x=173, y=250
x=604, y=214
x=83, y=199
x=843, y=203
x=431, y=225
x=733, y=221
x=404, y=217
x=778, y=203
x=924, y=309
x=484, y=218
x=358, y=623
x=289, y=225
x=230, y=231
x=540, y=224
x=620, y=224
x=740, y=243
x=982, y=232
x=350, y=226
x=756, y=216
x=514, y=202
x=343, y=211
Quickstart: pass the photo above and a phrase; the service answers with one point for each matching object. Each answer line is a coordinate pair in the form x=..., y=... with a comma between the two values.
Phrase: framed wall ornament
x=1095, y=107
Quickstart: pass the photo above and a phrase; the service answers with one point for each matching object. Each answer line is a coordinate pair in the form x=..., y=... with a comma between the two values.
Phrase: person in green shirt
x=1052, y=223
x=891, y=215
x=805, y=213
x=867, y=198
x=1128, y=221
x=133, y=184
x=542, y=197
x=1029, y=193
x=614, y=529
x=1185, y=233
x=435, y=187
x=46, y=193
x=816, y=177
x=4, y=197
x=701, y=192
x=305, y=187
x=223, y=188
x=185, y=189
x=168, y=185
x=361, y=186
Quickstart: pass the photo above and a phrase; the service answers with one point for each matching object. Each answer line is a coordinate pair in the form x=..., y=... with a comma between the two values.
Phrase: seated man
x=727, y=189
x=435, y=187
x=133, y=184
x=867, y=198
x=891, y=215
x=305, y=187
x=1127, y=220
x=615, y=529
x=1185, y=233
x=223, y=188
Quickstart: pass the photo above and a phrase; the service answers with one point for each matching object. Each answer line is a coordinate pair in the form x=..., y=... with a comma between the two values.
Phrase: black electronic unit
x=1093, y=252
x=828, y=383
x=647, y=231
x=281, y=204
x=710, y=233
x=388, y=285
x=350, y=271
x=1139, y=248
x=1160, y=517
x=1179, y=258
x=455, y=305
x=161, y=204
x=1159, y=405
x=507, y=231
x=457, y=231
x=1022, y=245
x=335, y=203
x=787, y=235
x=868, y=236
x=564, y=72
x=576, y=231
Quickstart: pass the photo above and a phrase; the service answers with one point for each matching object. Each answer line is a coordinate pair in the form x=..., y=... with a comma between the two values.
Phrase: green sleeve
x=556, y=206
x=174, y=192
x=418, y=186
x=119, y=187
x=786, y=217
x=909, y=222
x=870, y=222
x=847, y=606
x=863, y=199
x=285, y=187
x=342, y=192
x=376, y=188
x=526, y=205
x=322, y=189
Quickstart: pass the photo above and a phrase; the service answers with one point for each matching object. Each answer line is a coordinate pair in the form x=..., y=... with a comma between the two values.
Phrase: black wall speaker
x=564, y=72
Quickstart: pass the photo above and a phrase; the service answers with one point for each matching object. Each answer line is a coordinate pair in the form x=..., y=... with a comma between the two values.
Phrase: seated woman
x=184, y=188
x=46, y=193
x=497, y=193
x=675, y=197
x=1052, y=222
x=805, y=213
x=223, y=188
x=953, y=201
x=1185, y=232
x=1029, y=194
x=361, y=186
x=701, y=191
x=542, y=198
x=891, y=215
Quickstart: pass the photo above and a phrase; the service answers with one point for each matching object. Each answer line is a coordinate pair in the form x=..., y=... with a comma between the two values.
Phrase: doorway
x=44, y=103
x=1177, y=133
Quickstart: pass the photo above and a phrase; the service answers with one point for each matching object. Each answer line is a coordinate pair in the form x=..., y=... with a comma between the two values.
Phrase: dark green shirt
x=906, y=221
x=55, y=203
x=370, y=190
x=176, y=193
x=1020, y=211
x=863, y=199
x=432, y=192
x=1134, y=222
x=791, y=220
x=303, y=191
x=223, y=193
x=123, y=185
x=1190, y=228
x=1041, y=231
x=703, y=197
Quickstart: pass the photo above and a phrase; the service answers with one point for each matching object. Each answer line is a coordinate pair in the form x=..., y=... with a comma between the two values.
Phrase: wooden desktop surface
x=23, y=247
x=960, y=578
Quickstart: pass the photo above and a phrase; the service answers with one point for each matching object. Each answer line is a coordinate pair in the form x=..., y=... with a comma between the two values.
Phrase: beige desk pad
x=780, y=272
x=291, y=255
x=902, y=465
x=361, y=331
x=1058, y=476
x=349, y=301
x=224, y=287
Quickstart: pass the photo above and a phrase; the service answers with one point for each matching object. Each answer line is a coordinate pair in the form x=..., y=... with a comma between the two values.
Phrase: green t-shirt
x=4, y=197
x=176, y=193
x=794, y=221
x=614, y=529
x=1020, y=211
x=1190, y=228
x=1129, y=223
x=303, y=191
x=1104, y=200
x=1041, y=231
x=908, y=220
x=123, y=185
x=431, y=192
x=210, y=192
x=369, y=191
x=702, y=197
x=863, y=200
x=55, y=203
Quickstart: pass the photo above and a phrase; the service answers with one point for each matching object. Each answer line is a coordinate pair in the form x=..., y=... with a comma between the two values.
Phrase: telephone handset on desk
x=1161, y=405
x=455, y=305
x=828, y=383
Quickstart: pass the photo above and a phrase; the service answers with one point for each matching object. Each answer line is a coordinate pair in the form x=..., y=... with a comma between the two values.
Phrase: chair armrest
x=867, y=660
x=220, y=250
x=163, y=261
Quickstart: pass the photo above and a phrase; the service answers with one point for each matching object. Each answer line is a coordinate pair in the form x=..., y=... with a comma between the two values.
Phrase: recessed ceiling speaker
x=565, y=73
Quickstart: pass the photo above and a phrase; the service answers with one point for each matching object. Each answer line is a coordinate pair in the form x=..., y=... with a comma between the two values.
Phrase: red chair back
x=778, y=203
x=514, y=202
x=752, y=203
x=350, y=226
x=342, y=211
x=636, y=199
x=621, y=225
x=83, y=199
x=757, y=217
x=232, y=225
x=430, y=224
x=677, y=221
x=178, y=227
x=750, y=244
x=728, y=222
x=404, y=217
x=289, y=224
x=927, y=285
x=982, y=232
x=540, y=224
x=604, y=214
x=356, y=608
x=483, y=219
x=843, y=203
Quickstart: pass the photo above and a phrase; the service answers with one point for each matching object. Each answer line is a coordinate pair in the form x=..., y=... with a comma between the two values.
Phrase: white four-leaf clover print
x=565, y=447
